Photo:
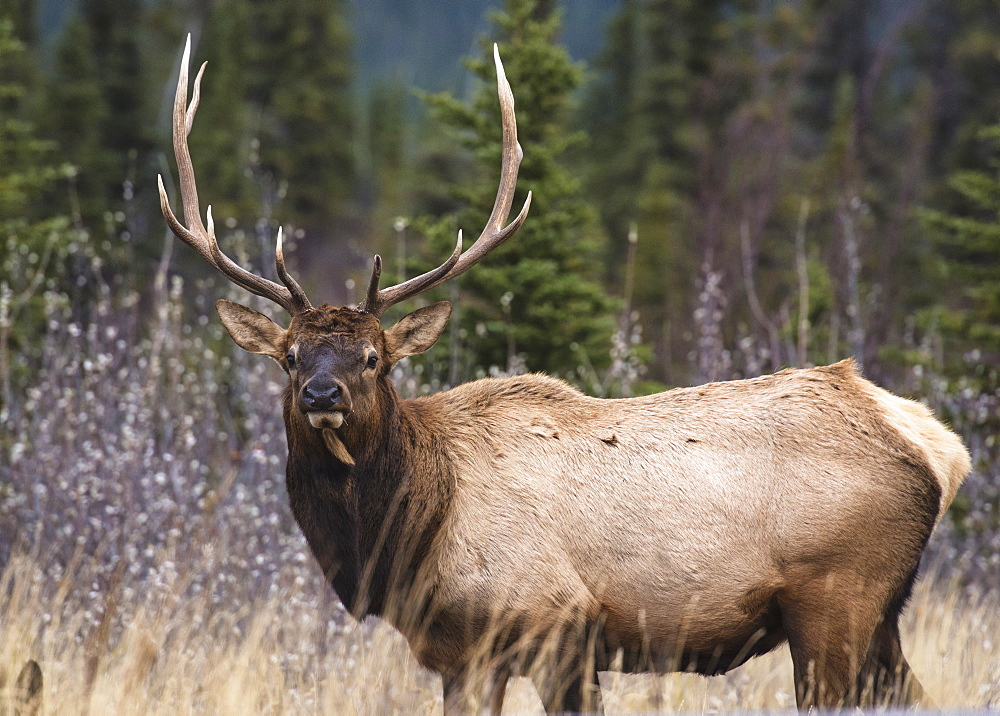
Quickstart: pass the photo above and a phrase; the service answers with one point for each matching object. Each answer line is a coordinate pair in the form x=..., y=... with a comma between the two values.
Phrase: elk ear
x=251, y=330
x=417, y=331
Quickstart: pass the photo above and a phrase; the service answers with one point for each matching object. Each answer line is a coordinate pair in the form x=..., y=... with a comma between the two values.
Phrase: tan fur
x=698, y=488
x=679, y=516
x=947, y=455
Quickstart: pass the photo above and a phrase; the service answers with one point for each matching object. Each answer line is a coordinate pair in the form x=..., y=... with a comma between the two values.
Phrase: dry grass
x=173, y=654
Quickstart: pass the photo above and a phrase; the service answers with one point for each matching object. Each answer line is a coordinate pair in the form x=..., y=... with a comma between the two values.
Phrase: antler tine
x=182, y=126
x=493, y=235
x=202, y=239
x=195, y=95
x=370, y=304
x=298, y=295
x=377, y=301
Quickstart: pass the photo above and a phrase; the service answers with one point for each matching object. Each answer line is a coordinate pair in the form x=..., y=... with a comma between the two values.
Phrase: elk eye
x=290, y=359
x=372, y=360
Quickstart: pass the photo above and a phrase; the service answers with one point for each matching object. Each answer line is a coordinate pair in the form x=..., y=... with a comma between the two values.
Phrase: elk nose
x=321, y=397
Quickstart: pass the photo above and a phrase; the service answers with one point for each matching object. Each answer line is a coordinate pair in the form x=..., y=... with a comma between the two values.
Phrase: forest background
x=722, y=188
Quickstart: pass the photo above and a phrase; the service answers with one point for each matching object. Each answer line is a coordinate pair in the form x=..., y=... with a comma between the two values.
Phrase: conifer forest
x=721, y=189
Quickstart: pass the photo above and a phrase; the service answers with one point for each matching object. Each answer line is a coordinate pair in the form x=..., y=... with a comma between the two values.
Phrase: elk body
x=516, y=525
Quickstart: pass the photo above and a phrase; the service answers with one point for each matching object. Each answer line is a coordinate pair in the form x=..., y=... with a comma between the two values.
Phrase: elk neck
x=371, y=525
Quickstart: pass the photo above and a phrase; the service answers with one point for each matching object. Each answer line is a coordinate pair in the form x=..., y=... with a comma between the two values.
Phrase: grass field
x=171, y=654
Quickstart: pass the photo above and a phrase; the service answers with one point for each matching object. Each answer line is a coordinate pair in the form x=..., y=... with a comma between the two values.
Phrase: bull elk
x=515, y=525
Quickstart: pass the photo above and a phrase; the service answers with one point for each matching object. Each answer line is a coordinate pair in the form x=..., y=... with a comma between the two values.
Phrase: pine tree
x=650, y=134
x=536, y=298
x=21, y=14
x=274, y=128
x=75, y=115
x=95, y=106
x=614, y=161
x=301, y=84
x=224, y=142
x=967, y=242
x=23, y=64
x=385, y=183
x=36, y=242
x=115, y=30
x=955, y=44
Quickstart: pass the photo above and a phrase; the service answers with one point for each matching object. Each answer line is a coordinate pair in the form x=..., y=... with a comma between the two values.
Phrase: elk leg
x=465, y=694
x=829, y=631
x=579, y=693
x=886, y=679
x=455, y=695
x=497, y=691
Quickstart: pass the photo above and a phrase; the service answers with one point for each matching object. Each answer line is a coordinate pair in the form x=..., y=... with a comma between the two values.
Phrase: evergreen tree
x=536, y=298
x=21, y=15
x=386, y=185
x=301, y=85
x=22, y=28
x=386, y=120
x=274, y=130
x=652, y=133
x=272, y=142
x=967, y=242
x=75, y=116
x=96, y=106
x=224, y=142
x=115, y=30
x=955, y=46
x=615, y=159
x=36, y=243
x=721, y=121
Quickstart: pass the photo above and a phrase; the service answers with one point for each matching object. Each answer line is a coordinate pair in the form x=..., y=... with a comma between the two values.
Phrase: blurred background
x=722, y=188
x=804, y=180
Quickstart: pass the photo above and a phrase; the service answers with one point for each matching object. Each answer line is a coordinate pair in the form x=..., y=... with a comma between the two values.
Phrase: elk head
x=333, y=356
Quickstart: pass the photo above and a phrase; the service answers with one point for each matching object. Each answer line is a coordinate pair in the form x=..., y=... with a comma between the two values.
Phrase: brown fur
x=516, y=524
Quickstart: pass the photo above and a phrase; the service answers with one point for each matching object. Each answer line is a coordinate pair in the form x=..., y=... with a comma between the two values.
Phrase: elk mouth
x=331, y=419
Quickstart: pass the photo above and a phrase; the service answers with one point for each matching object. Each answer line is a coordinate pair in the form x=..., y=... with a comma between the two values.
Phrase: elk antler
x=291, y=297
x=493, y=235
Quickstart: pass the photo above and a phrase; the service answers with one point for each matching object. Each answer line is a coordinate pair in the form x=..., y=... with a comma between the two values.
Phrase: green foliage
x=384, y=171
x=710, y=125
x=118, y=69
x=535, y=299
x=224, y=139
x=614, y=162
x=273, y=139
x=301, y=86
x=75, y=115
x=96, y=104
x=36, y=244
x=714, y=122
x=967, y=243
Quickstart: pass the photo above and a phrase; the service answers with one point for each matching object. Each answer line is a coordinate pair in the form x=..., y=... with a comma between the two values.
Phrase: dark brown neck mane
x=370, y=525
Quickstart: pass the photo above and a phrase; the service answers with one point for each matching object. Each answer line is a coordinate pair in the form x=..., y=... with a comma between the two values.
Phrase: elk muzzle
x=325, y=402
